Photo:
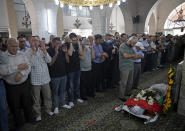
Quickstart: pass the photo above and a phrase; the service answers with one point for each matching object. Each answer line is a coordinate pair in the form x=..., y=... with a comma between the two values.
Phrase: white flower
x=142, y=92
x=135, y=99
x=150, y=98
x=150, y=102
x=143, y=98
x=139, y=96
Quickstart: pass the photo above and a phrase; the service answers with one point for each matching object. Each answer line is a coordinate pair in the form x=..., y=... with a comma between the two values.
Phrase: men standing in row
x=40, y=76
x=126, y=66
x=15, y=74
x=57, y=68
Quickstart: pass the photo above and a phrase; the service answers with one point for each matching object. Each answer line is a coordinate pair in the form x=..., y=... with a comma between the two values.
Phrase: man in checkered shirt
x=40, y=76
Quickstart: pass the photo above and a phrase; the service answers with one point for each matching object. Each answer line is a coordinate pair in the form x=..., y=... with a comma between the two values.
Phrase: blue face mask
x=108, y=41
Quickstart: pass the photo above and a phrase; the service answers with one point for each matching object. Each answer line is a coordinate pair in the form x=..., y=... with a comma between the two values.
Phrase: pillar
x=60, y=22
x=12, y=25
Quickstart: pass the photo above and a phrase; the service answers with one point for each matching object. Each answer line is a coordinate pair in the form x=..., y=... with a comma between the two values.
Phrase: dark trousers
x=85, y=84
x=97, y=76
x=115, y=71
x=137, y=72
x=19, y=97
x=107, y=73
x=149, y=62
x=154, y=58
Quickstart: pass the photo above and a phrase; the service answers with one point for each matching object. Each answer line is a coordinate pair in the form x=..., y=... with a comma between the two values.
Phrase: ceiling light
x=70, y=7
x=80, y=7
x=91, y=7
x=57, y=2
x=61, y=5
x=101, y=7
x=110, y=5
x=118, y=2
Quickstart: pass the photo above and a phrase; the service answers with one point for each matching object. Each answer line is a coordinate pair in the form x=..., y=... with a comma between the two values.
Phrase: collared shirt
x=98, y=52
x=85, y=64
x=138, y=53
x=125, y=63
x=9, y=70
x=24, y=50
x=39, y=69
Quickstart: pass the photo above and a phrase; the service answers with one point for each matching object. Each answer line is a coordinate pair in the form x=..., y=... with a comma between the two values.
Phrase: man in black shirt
x=73, y=68
x=57, y=69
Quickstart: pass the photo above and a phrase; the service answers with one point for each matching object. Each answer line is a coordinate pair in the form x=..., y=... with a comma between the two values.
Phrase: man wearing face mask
x=73, y=68
x=126, y=66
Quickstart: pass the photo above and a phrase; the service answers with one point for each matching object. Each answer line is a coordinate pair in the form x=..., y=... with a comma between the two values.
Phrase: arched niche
x=117, y=22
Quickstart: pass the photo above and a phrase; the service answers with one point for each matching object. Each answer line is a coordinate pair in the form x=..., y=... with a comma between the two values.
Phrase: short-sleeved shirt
x=125, y=63
x=85, y=64
x=138, y=53
x=58, y=69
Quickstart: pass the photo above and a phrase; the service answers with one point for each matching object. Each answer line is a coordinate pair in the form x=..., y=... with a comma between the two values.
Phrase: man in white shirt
x=40, y=77
x=137, y=63
x=15, y=73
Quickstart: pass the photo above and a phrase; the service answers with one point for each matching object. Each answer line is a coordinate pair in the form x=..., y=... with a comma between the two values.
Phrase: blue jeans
x=59, y=87
x=3, y=109
x=73, y=84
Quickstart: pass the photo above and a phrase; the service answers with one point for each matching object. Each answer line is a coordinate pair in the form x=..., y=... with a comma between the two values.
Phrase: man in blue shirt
x=137, y=63
x=97, y=66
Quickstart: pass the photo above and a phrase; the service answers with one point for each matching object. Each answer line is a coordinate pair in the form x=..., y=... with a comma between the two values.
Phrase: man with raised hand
x=40, y=77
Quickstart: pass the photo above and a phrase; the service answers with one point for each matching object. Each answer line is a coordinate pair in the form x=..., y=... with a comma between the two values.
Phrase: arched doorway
x=117, y=22
x=171, y=27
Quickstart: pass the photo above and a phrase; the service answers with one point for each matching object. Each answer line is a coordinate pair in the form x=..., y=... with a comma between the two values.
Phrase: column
x=12, y=25
x=60, y=22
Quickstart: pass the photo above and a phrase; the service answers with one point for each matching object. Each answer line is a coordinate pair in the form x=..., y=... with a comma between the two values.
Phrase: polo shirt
x=125, y=63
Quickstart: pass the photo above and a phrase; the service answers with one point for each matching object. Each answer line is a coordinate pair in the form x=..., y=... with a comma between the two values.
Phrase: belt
x=137, y=62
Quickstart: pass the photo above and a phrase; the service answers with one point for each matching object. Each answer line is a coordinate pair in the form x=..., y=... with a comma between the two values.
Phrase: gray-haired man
x=126, y=66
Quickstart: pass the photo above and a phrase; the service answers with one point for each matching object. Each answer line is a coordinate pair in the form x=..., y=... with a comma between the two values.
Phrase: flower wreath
x=167, y=105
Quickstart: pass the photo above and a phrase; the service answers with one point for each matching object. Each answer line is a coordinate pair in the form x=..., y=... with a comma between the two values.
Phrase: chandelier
x=26, y=19
x=88, y=3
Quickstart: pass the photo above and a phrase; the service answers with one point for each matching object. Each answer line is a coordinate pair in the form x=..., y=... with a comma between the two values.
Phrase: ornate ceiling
x=87, y=2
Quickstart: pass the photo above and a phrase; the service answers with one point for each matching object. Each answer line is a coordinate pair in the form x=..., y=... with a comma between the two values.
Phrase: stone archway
x=161, y=9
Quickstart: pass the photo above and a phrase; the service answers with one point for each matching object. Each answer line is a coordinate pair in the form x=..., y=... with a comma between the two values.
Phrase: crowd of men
x=33, y=73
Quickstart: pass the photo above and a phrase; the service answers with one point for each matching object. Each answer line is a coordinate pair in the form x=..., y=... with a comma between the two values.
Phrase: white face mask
x=86, y=46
